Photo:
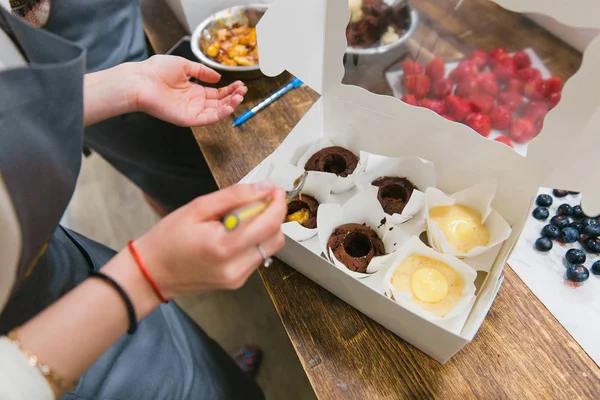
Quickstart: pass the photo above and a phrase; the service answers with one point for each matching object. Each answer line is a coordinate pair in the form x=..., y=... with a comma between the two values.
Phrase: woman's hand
x=190, y=251
x=165, y=92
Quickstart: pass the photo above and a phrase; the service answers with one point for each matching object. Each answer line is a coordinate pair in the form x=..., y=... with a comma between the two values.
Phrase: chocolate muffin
x=393, y=193
x=355, y=245
x=303, y=209
x=335, y=159
x=376, y=17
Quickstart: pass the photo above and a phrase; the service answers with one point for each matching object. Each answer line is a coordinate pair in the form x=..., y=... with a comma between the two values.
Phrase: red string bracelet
x=144, y=271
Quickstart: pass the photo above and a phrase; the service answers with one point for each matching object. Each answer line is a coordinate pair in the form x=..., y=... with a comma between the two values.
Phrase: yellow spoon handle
x=234, y=218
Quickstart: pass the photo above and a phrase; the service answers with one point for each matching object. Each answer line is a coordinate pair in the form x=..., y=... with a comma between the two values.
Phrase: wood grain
x=521, y=350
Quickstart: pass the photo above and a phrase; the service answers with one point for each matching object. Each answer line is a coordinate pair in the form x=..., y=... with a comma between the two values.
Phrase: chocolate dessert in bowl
x=355, y=237
x=398, y=184
x=341, y=161
x=464, y=224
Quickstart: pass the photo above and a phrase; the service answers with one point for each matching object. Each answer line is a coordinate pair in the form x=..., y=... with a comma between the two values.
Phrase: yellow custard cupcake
x=435, y=286
x=461, y=226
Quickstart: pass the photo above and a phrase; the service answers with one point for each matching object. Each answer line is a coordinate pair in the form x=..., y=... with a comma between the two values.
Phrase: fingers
x=239, y=270
x=201, y=72
x=263, y=226
x=211, y=115
x=215, y=205
x=237, y=87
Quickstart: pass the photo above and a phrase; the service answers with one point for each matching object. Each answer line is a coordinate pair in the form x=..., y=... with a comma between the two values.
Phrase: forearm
x=72, y=333
x=110, y=93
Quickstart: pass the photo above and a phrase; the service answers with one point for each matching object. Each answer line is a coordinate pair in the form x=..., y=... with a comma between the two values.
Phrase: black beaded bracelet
x=126, y=299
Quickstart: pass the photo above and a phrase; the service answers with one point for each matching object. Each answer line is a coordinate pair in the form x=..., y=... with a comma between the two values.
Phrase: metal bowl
x=377, y=52
x=249, y=15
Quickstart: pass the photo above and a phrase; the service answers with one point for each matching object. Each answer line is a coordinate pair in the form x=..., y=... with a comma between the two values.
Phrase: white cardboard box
x=385, y=125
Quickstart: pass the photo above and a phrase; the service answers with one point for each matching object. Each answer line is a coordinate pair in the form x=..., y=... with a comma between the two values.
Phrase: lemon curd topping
x=435, y=286
x=461, y=225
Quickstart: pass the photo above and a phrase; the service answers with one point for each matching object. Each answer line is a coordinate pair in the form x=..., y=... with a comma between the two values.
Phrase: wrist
x=125, y=271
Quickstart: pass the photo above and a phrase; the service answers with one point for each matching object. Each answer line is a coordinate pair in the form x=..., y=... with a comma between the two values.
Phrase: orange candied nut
x=234, y=46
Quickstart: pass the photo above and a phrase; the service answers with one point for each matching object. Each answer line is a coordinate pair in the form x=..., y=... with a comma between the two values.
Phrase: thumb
x=216, y=205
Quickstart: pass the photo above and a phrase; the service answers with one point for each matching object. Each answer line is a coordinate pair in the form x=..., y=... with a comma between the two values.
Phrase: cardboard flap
x=306, y=38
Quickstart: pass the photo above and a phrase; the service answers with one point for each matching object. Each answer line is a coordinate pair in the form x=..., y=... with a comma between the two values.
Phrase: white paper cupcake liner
x=418, y=171
x=414, y=246
x=339, y=184
x=478, y=197
x=316, y=185
x=360, y=209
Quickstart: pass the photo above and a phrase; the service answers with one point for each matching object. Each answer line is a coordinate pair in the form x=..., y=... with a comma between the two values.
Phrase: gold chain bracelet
x=44, y=369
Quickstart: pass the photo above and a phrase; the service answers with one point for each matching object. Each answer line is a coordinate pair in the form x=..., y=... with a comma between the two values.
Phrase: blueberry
x=596, y=268
x=560, y=220
x=578, y=273
x=578, y=212
x=565, y=209
x=543, y=244
x=592, y=245
x=560, y=193
x=551, y=231
x=592, y=230
x=589, y=221
x=540, y=213
x=575, y=256
x=583, y=237
x=544, y=200
x=577, y=225
x=569, y=235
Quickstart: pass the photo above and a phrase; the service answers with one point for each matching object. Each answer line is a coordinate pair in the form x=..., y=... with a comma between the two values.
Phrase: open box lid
x=307, y=38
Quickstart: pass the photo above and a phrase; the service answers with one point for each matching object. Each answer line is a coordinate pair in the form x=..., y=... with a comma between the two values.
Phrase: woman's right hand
x=190, y=251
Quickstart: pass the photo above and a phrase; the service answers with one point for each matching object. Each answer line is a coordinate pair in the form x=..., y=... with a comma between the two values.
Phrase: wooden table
x=521, y=350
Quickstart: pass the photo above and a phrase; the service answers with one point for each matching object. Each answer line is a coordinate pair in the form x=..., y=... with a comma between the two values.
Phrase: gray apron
x=41, y=119
x=162, y=159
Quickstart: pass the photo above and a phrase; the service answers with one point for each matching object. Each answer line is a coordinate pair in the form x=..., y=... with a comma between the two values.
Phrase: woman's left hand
x=166, y=92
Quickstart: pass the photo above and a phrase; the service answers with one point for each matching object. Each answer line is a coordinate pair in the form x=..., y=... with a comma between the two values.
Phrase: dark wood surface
x=521, y=350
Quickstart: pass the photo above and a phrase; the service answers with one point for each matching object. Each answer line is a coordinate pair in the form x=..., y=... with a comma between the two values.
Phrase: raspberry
x=442, y=88
x=411, y=67
x=505, y=69
x=488, y=83
x=436, y=69
x=480, y=58
x=515, y=85
x=512, y=100
x=458, y=108
x=409, y=99
x=480, y=123
x=535, y=89
x=505, y=140
x=522, y=131
x=522, y=60
x=554, y=99
x=529, y=73
x=501, y=117
x=437, y=106
x=418, y=85
x=554, y=85
x=465, y=68
x=498, y=54
x=535, y=110
x=468, y=86
x=483, y=102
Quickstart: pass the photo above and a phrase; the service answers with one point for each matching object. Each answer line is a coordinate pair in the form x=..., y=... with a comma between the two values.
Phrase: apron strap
x=6, y=28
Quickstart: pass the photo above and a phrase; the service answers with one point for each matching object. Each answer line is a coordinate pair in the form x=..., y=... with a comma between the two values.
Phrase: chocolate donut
x=355, y=245
x=393, y=193
x=303, y=209
x=335, y=159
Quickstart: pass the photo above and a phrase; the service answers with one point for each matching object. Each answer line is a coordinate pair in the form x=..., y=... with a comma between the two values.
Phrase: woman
x=66, y=301
x=161, y=158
